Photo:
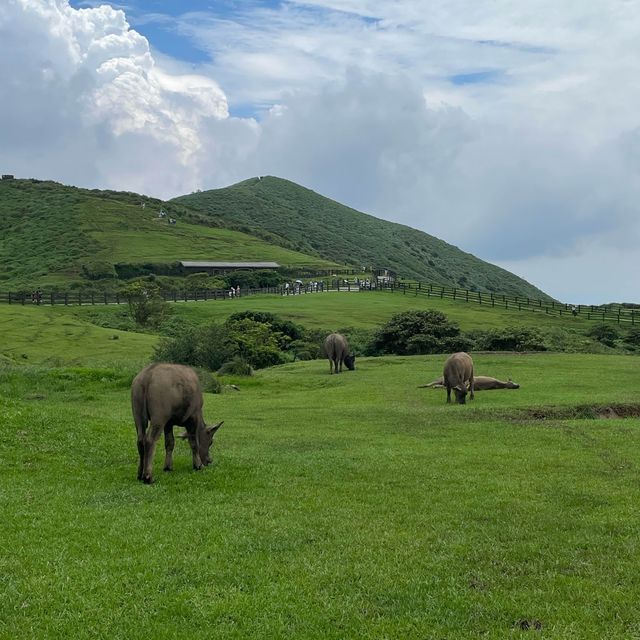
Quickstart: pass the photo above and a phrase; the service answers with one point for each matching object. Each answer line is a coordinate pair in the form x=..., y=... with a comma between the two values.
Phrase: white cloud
x=86, y=98
x=535, y=164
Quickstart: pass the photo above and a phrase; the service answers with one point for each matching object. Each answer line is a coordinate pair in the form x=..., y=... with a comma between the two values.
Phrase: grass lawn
x=350, y=506
x=366, y=310
x=55, y=336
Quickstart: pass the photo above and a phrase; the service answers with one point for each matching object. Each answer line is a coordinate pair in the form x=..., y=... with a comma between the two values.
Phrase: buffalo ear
x=214, y=427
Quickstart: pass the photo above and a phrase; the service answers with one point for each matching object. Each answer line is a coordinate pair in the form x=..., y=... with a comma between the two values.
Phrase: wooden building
x=201, y=266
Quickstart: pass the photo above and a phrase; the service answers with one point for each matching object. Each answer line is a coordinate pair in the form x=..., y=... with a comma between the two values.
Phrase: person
x=237, y=291
x=574, y=311
x=286, y=288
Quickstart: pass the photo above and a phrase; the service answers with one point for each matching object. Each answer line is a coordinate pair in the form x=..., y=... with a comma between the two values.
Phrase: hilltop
x=305, y=221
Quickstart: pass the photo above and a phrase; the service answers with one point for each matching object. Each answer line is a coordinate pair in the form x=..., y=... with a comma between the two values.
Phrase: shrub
x=511, y=339
x=98, y=270
x=236, y=367
x=208, y=347
x=277, y=324
x=632, y=336
x=146, y=305
x=414, y=332
x=208, y=382
x=604, y=333
x=257, y=343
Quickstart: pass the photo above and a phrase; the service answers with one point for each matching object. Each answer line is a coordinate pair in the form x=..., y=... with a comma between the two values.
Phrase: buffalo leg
x=140, y=454
x=192, y=436
x=448, y=394
x=150, y=441
x=169, y=442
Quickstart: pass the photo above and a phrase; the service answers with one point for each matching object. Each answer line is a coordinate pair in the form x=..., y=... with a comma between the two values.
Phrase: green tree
x=146, y=304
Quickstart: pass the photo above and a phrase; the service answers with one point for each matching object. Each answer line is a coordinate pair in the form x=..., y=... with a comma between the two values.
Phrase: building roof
x=229, y=265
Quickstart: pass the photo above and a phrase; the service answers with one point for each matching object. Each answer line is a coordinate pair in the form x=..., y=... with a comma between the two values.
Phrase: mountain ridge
x=309, y=222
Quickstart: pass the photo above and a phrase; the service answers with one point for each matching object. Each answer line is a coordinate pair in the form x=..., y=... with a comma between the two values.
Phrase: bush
x=236, y=367
x=257, y=343
x=208, y=382
x=511, y=339
x=604, y=333
x=277, y=324
x=98, y=270
x=208, y=347
x=146, y=305
x=414, y=332
x=632, y=337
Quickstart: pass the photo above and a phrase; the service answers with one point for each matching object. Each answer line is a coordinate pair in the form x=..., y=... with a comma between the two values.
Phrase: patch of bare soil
x=581, y=412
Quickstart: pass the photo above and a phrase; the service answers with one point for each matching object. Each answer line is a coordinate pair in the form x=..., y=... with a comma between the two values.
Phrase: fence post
x=51, y=294
x=105, y=297
x=23, y=298
x=9, y=297
x=92, y=300
x=66, y=298
x=467, y=295
x=117, y=297
x=455, y=291
x=79, y=299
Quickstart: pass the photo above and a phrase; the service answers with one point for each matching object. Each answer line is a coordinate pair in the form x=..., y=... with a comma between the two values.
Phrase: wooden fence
x=606, y=313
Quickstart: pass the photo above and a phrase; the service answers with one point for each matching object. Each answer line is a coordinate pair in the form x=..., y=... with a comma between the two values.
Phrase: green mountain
x=305, y=221
x=53, y=234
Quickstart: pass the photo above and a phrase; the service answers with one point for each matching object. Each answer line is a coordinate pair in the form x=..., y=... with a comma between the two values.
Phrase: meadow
x=350, y=506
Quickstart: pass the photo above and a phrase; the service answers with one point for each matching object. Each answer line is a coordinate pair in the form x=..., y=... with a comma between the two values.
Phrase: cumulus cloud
x=509, y=130
x=87, y=104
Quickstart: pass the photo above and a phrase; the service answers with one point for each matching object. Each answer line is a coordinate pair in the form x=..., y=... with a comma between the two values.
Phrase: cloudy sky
x=509, y=129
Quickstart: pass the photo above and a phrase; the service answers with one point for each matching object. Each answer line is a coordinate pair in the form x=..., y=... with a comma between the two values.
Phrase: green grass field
x=352, y=506
x=349, y=506
x=365, y=310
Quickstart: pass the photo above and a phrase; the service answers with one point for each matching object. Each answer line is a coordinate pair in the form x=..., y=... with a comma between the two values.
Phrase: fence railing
x=605, y=313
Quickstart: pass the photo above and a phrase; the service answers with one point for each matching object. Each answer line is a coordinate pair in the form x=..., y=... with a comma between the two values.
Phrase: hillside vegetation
x=305, y=221
x=53, y=233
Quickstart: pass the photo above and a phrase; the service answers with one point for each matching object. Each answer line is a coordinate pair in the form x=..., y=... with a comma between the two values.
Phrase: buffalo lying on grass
x=458, y=375
x=480, y=383
x=164, y=396
x=337, y=350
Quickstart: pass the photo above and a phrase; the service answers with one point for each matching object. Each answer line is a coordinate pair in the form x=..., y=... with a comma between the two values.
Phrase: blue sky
x=508, y=129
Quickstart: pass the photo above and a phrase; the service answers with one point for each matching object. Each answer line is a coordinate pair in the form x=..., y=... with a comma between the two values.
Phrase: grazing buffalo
x=480, y=383
x=457, y=374
x=337, y=350
x=164, y=395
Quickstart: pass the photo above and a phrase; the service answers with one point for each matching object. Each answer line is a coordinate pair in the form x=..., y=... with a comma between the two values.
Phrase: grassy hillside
x=305, y=221
x=50, y=231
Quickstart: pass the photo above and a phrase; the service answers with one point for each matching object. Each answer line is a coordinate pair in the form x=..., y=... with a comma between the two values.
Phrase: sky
x=508, y=129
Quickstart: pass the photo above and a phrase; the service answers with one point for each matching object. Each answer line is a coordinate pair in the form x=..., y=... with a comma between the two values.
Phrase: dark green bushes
x=415, y=332
x=256, y=338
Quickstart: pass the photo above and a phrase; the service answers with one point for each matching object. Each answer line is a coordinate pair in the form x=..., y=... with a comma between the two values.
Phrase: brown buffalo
x=457, y=374
x=480, y=383
x=337, y=350
x=164, y=396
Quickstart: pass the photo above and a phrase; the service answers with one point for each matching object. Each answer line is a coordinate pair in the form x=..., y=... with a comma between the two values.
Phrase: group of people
x=234, y=292
x=297, y=288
